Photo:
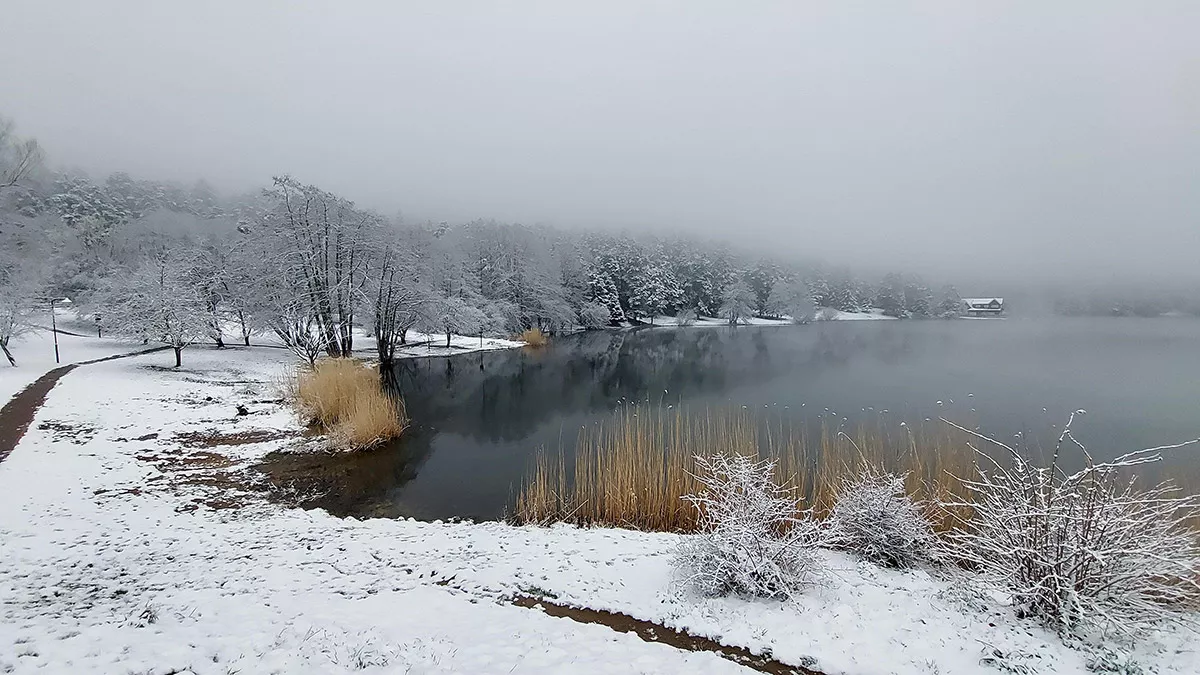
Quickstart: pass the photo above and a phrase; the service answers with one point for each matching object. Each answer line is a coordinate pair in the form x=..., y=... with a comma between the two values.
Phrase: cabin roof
x=982, y=301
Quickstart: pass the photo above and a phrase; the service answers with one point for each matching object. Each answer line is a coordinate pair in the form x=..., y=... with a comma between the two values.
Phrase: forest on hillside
x=177, y=264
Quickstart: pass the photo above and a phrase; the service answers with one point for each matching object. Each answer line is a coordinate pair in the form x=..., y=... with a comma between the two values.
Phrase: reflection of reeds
x=633, y=469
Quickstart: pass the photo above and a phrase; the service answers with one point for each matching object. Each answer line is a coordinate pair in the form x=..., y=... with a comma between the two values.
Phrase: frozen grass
x=534, y=337
x=634, y=468
x=344, y=397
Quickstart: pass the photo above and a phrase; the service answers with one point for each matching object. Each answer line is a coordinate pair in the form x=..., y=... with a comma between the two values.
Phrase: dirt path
x=652, y=632
x=17, y=414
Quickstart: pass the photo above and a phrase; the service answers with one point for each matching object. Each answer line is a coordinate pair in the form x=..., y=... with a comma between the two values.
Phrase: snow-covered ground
x=34, y=352
x=711, y=322
x=823, y=314
x=831, y=314
x=435, y=345
x=115, y=559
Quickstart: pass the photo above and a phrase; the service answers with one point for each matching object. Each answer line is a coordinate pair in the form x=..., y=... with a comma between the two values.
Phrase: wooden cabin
x=983, y=306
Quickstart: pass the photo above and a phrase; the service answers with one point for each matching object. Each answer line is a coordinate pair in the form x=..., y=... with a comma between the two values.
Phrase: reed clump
x=634, y=468
x=344, y=398
x=534, y=337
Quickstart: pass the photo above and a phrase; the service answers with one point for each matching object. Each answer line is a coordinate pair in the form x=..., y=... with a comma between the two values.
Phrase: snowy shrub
x=685, y=317
x=751, y=540
x=875, y=518
x=1086, y=553
x=593, y=315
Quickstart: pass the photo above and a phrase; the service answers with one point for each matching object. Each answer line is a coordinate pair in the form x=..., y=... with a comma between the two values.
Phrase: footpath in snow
x=135, y=540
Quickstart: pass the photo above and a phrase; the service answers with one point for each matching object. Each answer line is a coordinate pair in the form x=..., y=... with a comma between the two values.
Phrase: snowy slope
x=113, y=562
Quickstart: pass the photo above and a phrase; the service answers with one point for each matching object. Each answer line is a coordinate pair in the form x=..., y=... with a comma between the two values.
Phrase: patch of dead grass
x=345, y=398
x=534, y=337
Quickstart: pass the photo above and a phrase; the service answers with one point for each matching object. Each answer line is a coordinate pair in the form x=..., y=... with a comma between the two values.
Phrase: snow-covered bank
x=710, y=322
x=423, y=344
x=34, y=353
x=823, y=314
x=831, y=314
x=114, y=560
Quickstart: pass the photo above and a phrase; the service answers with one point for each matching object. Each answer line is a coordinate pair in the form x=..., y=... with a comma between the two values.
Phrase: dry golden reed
x=534, y=337
x=632, y=469
x=345, y=398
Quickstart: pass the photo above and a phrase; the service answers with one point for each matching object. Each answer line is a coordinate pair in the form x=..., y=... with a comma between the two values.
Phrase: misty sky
x=1046, y=138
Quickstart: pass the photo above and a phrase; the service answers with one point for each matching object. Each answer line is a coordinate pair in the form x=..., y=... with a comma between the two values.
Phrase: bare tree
x=398, y=299
x=157, y=301
x=454, y=315
x=22, y=277
x=18, y=157
x=324, y=244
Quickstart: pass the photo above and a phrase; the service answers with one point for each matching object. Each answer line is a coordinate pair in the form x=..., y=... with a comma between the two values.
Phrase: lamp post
x=54, y=324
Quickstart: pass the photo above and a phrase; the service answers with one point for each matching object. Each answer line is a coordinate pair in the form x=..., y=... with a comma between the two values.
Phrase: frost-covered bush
x=752, y=539
x=1088, y=553
x=875, y=518
x=685, y=317
x=593, y=315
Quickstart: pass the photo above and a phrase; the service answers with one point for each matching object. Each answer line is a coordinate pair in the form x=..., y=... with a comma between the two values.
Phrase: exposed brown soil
x=653, y=632
x=197, y=439
x=63, y=431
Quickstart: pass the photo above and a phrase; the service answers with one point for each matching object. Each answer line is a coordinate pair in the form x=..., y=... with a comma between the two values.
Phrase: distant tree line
x=176, y=265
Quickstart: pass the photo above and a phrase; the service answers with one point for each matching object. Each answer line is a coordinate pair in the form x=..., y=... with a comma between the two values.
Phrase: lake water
x=479, y=418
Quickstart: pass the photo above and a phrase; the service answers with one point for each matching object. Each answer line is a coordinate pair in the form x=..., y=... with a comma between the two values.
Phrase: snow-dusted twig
x=751, y=540
x=875, y=518
x=1088, y=552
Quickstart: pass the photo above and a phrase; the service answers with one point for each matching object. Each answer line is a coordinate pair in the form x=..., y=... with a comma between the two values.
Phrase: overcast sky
x=1047, y=138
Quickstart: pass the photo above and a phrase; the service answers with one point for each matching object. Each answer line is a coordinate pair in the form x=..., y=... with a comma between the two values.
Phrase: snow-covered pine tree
x=602, y=291
x=890, y=296
x=818, y=285
x=918, y=300
x=949, y=304
x=763, y=278
x=657, y=290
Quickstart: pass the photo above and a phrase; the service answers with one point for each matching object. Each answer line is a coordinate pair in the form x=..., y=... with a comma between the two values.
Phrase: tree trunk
x=447, y=341
x=246, y=339
x=178, y=356
x=404, y=336
x=7, y=354
x=220, y=342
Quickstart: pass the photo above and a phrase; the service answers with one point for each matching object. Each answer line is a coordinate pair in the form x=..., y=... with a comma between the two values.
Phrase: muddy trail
x=18, y=413
x=653, y=632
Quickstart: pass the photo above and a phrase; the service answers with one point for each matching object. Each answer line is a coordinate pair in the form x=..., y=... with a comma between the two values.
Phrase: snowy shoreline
x=119, y=556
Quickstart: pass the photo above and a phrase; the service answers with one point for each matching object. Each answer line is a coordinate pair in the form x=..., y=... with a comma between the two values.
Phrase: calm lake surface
x=480, y=418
